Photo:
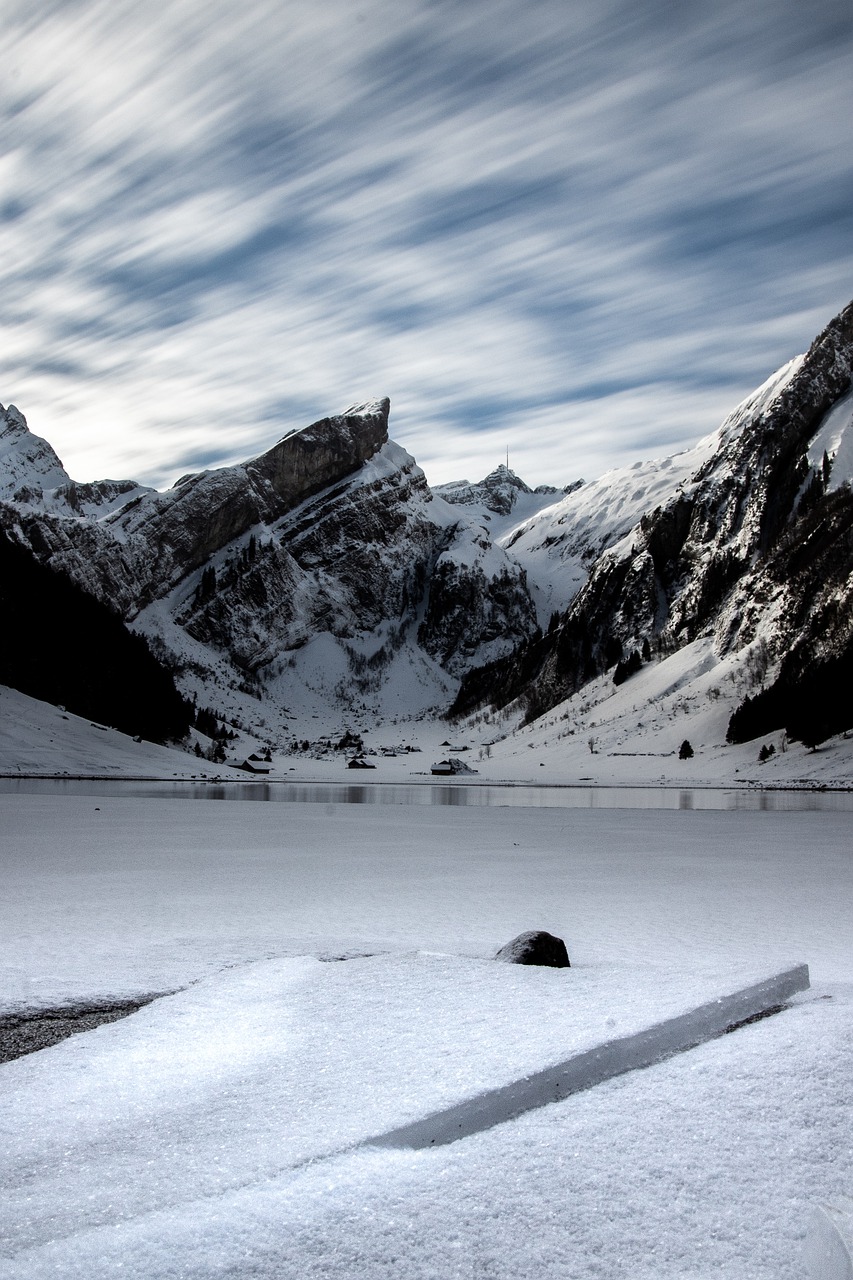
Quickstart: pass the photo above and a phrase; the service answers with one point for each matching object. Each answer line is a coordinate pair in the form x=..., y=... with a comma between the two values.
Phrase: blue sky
x=580, y=230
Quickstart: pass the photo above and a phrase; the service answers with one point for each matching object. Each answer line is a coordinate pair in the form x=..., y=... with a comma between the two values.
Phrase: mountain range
x=326, y=578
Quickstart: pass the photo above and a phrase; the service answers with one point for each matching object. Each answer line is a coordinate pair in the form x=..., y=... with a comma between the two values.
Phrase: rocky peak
x=307, y=460
x=501, y=476
x=498, y=492
x=12, y=421
x=28, y=464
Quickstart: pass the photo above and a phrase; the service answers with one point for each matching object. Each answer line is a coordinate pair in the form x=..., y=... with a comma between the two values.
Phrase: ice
x=829, y=1245
x=592, y=1067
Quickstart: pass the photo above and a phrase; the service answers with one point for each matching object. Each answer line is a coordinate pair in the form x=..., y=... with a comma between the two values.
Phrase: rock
x=536, y=947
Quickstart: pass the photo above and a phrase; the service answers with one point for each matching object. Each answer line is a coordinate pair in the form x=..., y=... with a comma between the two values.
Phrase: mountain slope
x=754, y=549
x=59, y=645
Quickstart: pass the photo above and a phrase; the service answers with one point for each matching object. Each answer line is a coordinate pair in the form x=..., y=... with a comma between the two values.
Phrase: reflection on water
x=465, y=795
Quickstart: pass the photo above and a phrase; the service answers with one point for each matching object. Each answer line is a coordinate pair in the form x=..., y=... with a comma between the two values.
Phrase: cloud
x=592, y=228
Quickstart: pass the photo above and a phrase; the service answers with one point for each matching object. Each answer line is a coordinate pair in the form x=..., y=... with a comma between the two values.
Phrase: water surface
x=469, y=795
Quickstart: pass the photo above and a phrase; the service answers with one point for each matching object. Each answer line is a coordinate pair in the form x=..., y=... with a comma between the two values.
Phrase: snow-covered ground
x=216, y=1132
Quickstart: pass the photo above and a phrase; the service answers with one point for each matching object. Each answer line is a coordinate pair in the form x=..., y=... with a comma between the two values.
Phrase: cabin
x=256, y=766
x=443, y=768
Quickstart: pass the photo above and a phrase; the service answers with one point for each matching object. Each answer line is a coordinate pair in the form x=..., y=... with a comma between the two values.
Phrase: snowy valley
x=646, y=679
x=323, y=593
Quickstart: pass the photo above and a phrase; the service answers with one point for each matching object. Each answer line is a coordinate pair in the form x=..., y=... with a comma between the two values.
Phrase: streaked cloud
x=582, y=232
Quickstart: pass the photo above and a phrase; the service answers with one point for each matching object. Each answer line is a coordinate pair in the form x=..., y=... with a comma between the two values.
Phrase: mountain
x=310, y=568
x=753, y=551
x=560, y=543
x=501, y=493
x=324, y=578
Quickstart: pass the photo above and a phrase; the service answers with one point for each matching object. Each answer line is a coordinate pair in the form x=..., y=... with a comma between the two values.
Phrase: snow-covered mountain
x=312, y=567
x=32, y=476
x=325, y=578
x=559, y=543
x=752, y=550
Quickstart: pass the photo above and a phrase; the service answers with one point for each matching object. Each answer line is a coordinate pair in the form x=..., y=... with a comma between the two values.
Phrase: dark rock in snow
x=536, y=947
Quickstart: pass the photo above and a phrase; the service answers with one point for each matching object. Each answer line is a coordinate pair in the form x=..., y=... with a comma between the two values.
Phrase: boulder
x=536, y=947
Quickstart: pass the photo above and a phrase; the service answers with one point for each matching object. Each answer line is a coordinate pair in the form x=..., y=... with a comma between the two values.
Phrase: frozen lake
x=462, y=794
x=206, y=1135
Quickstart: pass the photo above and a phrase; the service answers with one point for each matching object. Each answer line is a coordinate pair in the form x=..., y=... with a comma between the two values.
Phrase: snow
x=558, y=545
x=218, y=1131
x=757, y=403
x=835, y=438
x=40, y=740
x=605, y=1059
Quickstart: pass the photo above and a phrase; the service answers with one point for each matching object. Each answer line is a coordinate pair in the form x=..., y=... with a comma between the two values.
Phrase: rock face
x=756, y=543
x=333, y=531
x=151, y=541
x=536, y=947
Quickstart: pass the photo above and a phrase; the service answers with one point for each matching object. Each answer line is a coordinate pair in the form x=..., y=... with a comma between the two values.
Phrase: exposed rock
x=536, y=947
x=498, y=492
x=333, y=530
x=23, y=1033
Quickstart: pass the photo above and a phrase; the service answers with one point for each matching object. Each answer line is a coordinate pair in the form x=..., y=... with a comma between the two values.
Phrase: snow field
x=173, y=1143
x=171, y=1152
x=278, y=1063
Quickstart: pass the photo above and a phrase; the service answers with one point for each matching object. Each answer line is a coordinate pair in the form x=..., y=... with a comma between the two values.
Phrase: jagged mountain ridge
x=333, y=531
x=755, y=547
x=328, y=565
x=143, y=545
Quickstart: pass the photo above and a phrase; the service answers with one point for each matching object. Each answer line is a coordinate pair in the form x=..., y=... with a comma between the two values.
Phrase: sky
x=579, y=231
